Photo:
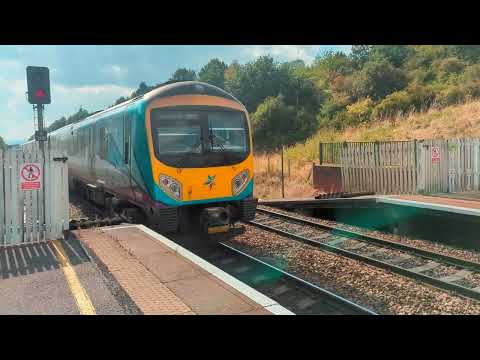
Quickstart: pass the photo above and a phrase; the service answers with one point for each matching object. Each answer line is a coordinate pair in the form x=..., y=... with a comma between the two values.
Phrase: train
x=177, y=156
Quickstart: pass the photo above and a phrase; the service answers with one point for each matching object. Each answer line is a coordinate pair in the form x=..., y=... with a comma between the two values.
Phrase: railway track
x=297, y=295
x=444, y=272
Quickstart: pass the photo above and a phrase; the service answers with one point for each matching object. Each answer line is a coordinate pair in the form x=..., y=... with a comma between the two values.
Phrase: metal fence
x=330, y=153
x=399, y=167
x=28, y=214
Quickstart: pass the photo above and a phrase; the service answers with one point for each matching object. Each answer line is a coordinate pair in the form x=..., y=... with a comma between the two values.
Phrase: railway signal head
x=38, y=82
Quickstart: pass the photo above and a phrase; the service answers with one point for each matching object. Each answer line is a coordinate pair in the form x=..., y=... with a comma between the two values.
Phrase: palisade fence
x=403, y=167
x=33, y=215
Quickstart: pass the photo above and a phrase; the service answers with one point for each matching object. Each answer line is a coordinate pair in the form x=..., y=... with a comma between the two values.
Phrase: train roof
x=169, y=89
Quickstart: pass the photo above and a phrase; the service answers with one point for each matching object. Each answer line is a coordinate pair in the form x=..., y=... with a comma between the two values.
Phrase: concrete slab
x=205, y=296
x=428, y=266
x=170, y=267
x=464, y=207
x=202, y=287
x=41, y=293
x=457, y=276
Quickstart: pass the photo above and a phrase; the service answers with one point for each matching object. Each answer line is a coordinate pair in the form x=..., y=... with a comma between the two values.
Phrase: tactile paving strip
x=148, y=293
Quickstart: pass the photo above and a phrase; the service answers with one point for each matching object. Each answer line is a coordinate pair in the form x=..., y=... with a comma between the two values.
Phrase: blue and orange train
x=179, y=153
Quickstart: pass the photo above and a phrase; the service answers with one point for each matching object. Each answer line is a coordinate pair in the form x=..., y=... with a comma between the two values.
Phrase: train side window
x=103, y=143
x=126, y=139
x=127, y=147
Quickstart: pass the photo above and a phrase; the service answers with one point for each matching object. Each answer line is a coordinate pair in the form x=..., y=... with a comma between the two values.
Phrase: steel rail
x=324, y=293
x=444, y=285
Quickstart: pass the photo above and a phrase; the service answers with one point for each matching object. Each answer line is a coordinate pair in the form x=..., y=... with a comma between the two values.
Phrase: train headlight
x=240, y=181
x=171, y=186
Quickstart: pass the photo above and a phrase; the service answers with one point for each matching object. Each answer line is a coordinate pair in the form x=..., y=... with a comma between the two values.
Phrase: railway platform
x=461, y=204
x=162, y=277
x=117, y=270
x=452, y=203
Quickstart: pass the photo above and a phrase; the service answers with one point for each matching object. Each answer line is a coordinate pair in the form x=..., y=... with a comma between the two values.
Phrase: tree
x=360, y=54
x=213, y=73
x=183, y=74
x=469, y=53
x=255, y=81
x=395, y=54
x=276, y=124
x=377, y=79
x=232, y=78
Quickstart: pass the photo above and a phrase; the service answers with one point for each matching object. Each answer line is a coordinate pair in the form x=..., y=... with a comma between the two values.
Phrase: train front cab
x=200, y=148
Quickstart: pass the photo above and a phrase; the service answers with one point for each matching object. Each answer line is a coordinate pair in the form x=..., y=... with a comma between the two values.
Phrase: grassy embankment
x=458, y=121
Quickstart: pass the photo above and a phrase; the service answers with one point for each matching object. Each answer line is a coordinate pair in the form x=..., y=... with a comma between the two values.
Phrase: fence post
x=320, y=152
x=283, y=181
x=415, y=153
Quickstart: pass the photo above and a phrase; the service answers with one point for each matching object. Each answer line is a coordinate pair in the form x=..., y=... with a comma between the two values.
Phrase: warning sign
x=435, y=154
x=31, y=177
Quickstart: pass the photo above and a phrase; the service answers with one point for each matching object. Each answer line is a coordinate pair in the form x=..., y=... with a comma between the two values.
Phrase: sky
x=94, y=76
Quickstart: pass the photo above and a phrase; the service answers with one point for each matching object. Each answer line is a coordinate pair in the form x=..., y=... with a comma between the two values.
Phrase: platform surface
x=162, y=277
x=36, y=280
x=440, y=203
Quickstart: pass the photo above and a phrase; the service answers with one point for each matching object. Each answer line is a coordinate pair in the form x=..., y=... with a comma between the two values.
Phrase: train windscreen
x=200, y=138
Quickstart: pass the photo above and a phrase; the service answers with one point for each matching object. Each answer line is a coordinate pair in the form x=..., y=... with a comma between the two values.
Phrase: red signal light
x=39, y=93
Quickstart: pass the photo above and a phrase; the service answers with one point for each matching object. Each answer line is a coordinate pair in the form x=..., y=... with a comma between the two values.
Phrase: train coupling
x=215, y=220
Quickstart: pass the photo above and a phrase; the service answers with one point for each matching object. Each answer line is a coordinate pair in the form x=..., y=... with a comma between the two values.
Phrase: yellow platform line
x=80, y=295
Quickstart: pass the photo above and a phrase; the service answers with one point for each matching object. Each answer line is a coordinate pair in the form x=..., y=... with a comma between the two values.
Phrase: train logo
x=210, y=181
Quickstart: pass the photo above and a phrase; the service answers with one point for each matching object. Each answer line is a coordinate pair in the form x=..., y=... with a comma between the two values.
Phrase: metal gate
x=432, y=166
x=33, y=215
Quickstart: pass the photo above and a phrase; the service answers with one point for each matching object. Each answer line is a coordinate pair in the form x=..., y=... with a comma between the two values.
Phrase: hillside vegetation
x=290, y=102
x=455, y=121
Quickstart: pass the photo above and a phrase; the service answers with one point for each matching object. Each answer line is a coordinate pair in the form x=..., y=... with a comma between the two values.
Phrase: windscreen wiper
x=212, y=136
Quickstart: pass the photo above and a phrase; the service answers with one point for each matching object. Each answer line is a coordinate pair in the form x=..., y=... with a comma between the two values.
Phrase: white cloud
x=115, y=70
x=16, y=115
x=306, y=53
x=8, y=66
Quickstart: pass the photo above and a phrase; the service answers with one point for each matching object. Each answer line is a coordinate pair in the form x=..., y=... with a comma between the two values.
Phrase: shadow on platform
x=28, y=259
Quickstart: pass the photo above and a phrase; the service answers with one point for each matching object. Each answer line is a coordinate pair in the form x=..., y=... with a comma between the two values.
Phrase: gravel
x=374, y=288
x=465, y=254
x=81, y=208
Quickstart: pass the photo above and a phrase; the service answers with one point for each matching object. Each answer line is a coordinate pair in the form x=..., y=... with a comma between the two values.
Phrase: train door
x=91, y=152
x=127, y=145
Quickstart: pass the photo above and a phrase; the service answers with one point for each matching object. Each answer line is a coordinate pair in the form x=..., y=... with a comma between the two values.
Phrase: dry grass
x=268, y=177
x=456, y=121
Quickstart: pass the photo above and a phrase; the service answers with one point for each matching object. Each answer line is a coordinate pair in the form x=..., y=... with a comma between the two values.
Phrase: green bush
x=359, y=112
x=415, y=97
x=276, y=124
x=452, y=95
x=393, y=104
x=377, y=79
x=450, y=65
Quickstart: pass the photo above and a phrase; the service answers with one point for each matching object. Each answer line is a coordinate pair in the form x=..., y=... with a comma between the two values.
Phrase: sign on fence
x=435, y=154
x=398, y=167
x=31, y=177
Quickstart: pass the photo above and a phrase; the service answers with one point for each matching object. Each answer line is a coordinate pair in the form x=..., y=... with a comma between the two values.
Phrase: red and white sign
x=31, y=177
x=435, y=154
